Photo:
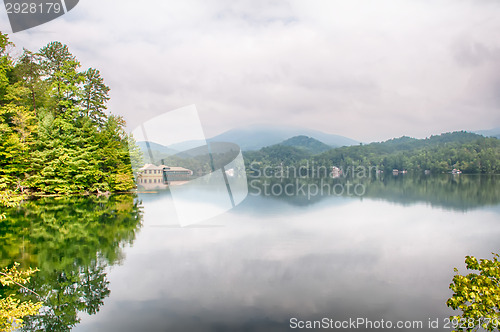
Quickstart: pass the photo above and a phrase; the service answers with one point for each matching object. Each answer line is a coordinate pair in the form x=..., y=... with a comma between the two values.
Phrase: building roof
x=161, y=167
x=175, y=168
x=151, y=166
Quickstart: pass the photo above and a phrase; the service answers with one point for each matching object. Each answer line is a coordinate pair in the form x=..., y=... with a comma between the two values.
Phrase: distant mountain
x=256, y=137
x=156, y=147
x=187, y=145
x=249, y=139
x=156, y=151
x=495, y=132
x=306, y=143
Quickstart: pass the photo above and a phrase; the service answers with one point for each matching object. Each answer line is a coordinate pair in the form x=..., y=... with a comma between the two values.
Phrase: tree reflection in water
x=72, y=240
x=461, y=193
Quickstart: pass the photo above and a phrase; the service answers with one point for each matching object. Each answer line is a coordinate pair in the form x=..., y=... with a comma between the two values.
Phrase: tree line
x=56, y=135
x=471, y=153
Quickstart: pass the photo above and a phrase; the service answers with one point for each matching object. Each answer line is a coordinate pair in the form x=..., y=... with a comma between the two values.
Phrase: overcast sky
x=369, y=70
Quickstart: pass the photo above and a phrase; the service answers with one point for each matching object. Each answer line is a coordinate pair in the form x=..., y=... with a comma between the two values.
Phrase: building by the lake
x=156, y=177
x=336, y=172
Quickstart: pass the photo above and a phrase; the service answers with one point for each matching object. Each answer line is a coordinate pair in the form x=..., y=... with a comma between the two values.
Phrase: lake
x=274, y=262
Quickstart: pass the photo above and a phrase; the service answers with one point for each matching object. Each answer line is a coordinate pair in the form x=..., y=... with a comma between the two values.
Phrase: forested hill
x=406, y=143
x=55, y=133
x=468, y=152
x=471, y=153
x=306, y=143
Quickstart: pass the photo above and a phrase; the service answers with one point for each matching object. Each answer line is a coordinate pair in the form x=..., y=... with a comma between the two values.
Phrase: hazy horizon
x=268, y=125
x=271, y=126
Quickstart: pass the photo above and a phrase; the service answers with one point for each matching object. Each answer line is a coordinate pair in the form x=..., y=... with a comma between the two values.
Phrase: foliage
x=72, y=240
x=135, y=153
x=12, y=309
x=55, y=136
x=308, y=144
x=276, y=155
x=477, y=295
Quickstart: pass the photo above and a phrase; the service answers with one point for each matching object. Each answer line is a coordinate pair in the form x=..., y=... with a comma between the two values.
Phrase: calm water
x=123, y=263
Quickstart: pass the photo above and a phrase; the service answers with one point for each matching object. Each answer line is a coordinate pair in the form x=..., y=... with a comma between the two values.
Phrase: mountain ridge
x=256, y=137
x=249, y=139
x=307, y=143
x=494, y=132
x=259, y=136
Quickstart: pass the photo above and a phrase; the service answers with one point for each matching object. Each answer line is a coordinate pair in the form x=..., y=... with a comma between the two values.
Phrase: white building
x=155, y=177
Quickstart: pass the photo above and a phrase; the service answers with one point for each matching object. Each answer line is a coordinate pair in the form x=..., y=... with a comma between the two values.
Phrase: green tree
x=477, y=295
x=95, y=96
x=29, y=72
x=55, y=136
x=17, y=123
x=61, y=69
x=12, y=309
x=5, y=63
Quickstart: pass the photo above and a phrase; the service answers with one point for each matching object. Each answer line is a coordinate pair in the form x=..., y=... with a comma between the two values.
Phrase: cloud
x=361, y=69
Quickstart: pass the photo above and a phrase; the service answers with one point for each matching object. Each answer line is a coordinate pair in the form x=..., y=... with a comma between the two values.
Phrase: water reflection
x=461, y=193
x=357, y=258
x=71, y=240
x=271, y=258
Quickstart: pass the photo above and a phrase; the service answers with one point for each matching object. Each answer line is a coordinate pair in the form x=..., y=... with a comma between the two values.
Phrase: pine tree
x=55, y=134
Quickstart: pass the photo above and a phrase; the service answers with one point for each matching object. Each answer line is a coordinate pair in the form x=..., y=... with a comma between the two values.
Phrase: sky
x=368, y=70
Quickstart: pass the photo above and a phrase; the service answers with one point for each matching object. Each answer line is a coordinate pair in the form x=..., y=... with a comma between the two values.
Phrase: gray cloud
x=366, y=70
